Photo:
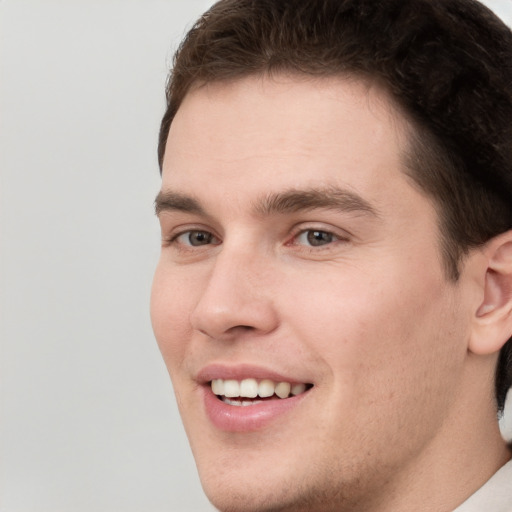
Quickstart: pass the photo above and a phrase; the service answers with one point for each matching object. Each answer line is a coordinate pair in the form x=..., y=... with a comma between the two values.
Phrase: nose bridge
x=237, y=295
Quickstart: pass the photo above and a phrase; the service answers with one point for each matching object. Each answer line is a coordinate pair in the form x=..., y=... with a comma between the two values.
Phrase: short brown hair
x=446, y=63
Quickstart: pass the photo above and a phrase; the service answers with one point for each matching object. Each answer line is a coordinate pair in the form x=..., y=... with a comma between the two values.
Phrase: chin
x=227, y=498
x=245, y=484
x=239, y=486
x=294, y=499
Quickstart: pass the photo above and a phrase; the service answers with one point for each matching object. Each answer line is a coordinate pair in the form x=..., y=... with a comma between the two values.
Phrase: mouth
x=250, y=392
x=248, y=398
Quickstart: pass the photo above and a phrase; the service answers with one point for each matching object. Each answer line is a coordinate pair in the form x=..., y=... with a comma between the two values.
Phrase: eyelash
x=332, y=238
x=175, y=239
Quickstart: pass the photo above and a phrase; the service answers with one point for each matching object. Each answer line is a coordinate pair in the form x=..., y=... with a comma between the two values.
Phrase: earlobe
x=493, y=317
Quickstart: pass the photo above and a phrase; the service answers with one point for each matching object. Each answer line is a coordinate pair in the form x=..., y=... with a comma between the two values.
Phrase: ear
x=492, y=322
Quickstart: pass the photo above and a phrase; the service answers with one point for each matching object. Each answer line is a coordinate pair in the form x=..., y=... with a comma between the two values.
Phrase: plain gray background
x=88, y=420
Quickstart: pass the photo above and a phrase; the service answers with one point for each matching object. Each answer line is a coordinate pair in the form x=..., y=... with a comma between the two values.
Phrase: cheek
x=171, y=303
x=381, y=332
x=391, y=355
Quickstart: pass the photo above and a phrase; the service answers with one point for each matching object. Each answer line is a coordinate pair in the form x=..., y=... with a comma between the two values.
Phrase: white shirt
x=494, y=496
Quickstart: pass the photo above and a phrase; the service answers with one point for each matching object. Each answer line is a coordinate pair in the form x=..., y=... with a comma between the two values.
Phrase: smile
x=247, y=398
x=232, y=391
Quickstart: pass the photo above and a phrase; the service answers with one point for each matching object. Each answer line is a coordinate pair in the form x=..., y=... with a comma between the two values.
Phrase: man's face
x=297, y=251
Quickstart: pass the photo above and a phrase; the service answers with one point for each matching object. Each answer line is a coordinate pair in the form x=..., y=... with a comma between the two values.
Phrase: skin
x=401, y=405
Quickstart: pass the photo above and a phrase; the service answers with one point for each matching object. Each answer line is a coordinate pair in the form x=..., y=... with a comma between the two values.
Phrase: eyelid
x=332, y=238
x=173, y=234
x=338, y=233
x=189, y=231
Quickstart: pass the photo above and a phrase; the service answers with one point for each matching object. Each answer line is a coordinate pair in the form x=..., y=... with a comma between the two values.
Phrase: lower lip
x=232, y=418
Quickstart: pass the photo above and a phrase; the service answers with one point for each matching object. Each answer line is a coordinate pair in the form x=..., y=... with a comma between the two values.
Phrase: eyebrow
x=331, y=198
x=172, y=201
x=289, y=201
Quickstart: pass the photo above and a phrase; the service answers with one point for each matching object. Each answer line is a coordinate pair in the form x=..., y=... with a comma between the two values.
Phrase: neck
x=460, y=459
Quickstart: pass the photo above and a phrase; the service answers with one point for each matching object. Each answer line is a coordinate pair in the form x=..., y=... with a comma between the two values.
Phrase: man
x=334, y=295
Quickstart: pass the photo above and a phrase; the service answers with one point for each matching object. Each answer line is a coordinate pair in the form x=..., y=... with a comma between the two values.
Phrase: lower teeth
x=240, y=403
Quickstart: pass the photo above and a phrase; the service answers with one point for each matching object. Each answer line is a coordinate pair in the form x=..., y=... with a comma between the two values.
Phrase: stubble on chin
x=322, y=493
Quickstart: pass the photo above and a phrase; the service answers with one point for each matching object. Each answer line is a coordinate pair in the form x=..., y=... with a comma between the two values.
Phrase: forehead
x=262, y=133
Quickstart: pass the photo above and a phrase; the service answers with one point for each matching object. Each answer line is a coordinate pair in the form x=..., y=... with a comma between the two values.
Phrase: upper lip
x=243, y=371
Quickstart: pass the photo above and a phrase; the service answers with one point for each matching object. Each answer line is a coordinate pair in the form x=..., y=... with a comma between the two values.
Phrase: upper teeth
x=251, y=388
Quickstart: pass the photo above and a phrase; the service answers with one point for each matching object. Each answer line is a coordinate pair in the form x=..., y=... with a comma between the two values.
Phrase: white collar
x=494, y=496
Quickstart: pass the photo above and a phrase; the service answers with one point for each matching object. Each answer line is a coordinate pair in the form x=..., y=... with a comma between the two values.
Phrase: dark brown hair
x=446, y=63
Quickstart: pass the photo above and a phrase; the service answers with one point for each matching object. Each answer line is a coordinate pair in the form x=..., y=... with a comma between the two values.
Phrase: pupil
x=199, y=238
x=319, y=238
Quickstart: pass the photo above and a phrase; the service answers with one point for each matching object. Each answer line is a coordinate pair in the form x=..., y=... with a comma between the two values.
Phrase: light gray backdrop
x=87, y=417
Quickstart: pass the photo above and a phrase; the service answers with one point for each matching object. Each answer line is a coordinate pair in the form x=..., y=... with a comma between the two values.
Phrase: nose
x=237, y=298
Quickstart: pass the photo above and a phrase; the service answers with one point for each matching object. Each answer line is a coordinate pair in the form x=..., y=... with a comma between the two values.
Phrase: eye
x=196, y=238
x=316, y=238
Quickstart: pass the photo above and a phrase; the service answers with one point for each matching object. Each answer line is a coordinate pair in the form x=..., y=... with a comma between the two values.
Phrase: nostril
x=232, y=331
x=240, y=328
